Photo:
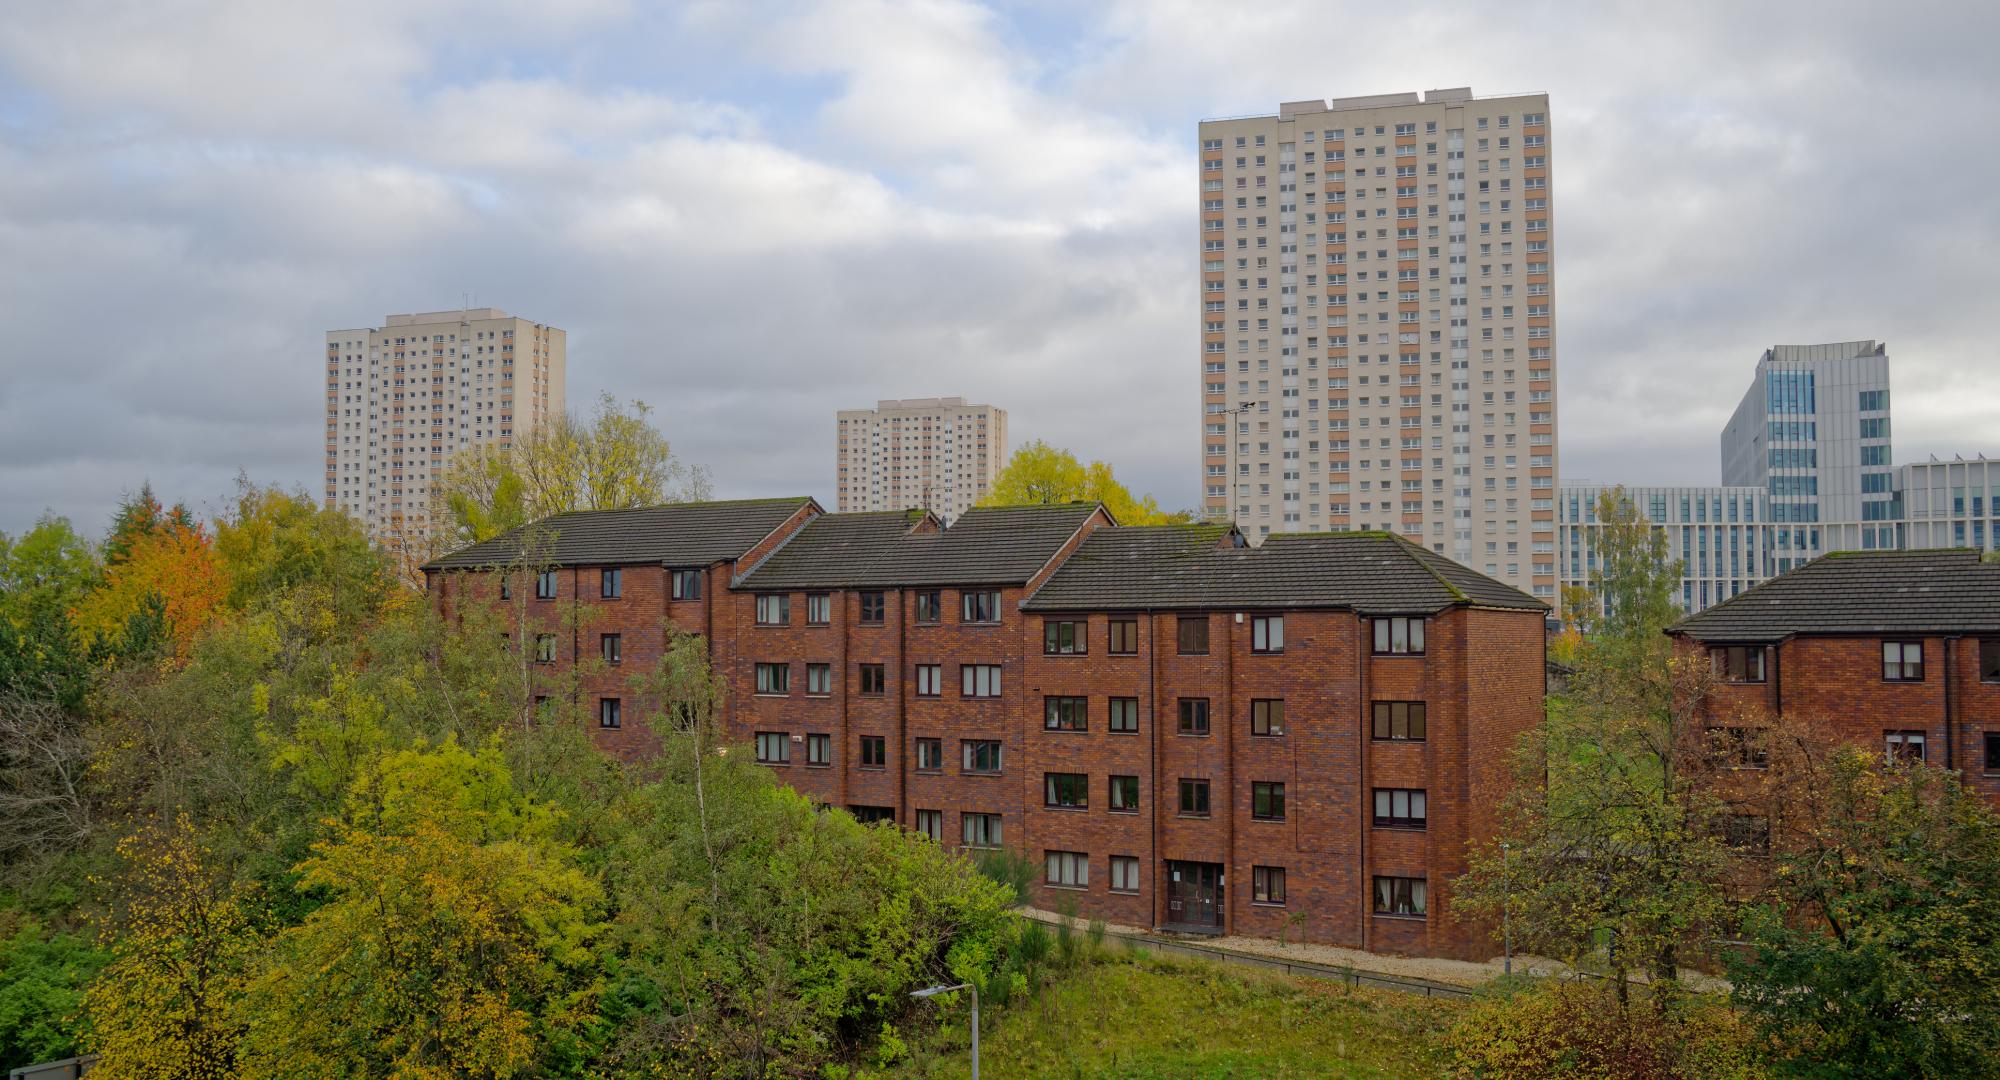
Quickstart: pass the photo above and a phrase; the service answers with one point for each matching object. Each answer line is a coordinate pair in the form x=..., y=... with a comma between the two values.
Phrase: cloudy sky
x=752, y=214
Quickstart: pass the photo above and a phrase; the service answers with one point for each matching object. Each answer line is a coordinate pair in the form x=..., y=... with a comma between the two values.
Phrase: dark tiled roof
x=1861, y=592
x=834, y=550
x=1004, y=545
x=675, y=534
x=1186, y=566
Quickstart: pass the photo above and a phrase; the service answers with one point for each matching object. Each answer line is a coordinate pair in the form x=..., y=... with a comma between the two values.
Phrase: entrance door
x=1194, y=894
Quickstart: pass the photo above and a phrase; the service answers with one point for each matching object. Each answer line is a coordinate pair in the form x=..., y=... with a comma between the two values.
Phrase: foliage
x=141, y=516
x=1131, y=1017
x=1614, y=857
x=275, y=541
x=180, y=943
x=43, y=574
x=1878, y=949
x=1040, y=474
x=1552, y=1028
x=612, y=460
x=43, y=973
x=175, y=564
x=455, y=940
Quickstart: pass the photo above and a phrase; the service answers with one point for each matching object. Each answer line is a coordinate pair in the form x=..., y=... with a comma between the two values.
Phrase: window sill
x=1121, y=731
x=1401, y=828
x=1121, y=654
x=770, y=625
x=1267, y=652
x=770, y=694
x=927, y=772
x=1267, y=903
x=1399, y=918
x=927, y=697
x=1196, y=817
x=969, y=772
x=1123, y=892
x=1071, y=888
x=1271, y=820
x=1063, y=655
x=1191, y=735
x=775, y=764
x=819, y=764
x=1065, y=731
x=1397, y=655
x=871, y=768
x=819, y=693
x=1123, y=810
x=1067, y=809
x=1274, y=735
x=818, y=624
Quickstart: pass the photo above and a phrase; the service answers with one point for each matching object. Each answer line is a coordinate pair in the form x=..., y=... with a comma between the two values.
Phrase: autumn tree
x=1615, y=853
x=1039, y=474
x=273, y=540
x=44, y=574
x=457, y=938
x=180, y=941
x=1875, y=950
x=174, y=567
x=611, y=460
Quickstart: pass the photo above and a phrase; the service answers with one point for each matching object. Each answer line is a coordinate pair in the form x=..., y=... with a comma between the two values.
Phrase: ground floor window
x=1124, y=874
x=1267, y=884
x=1401, y=896
x=931, y=823
x=1068, y=869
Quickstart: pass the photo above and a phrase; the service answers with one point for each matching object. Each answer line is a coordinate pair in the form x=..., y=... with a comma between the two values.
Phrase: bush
x=1570, y=1028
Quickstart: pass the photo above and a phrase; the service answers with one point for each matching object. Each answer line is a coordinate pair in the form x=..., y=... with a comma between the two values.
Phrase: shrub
x=1570, y=1028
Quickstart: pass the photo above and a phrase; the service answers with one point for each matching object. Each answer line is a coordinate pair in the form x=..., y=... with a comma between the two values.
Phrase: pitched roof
x=1940, y=590
x=673, y=534
x=1189, y=567
x=1004, y=545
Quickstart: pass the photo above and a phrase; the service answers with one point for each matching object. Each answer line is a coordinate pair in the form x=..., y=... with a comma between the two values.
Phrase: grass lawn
x=1145, y=1018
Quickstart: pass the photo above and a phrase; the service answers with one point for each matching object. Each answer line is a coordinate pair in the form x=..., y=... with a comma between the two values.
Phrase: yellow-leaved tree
x=1039, y=474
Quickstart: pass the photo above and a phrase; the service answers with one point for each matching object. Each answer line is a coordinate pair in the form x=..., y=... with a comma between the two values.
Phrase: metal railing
x=1332, y=972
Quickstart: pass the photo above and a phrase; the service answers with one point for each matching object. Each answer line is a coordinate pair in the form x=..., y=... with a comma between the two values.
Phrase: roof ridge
x=1422, y=557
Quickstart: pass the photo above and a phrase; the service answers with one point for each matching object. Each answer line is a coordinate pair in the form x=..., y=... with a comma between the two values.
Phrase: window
x=610, y=712
x=1993, y=751
x=1192, y=635
x=1400, y=720
x=1267, y=884
x=613, y=648
x=1399, y=808
x=1068, y=790
x=1194, y=798
x=1399, y=636
x=1122, y=637
x=545, y=648
x=1124, y=717
x=1069, y=869
x=819, y=749
x=869, y=815
x=506, y=587
x=686, y=585
x=1124, y=794
x=930, y=823
x=874, y=680
x=980, y=830
x=1194, y=716
x=1267, y=634
x=979, y=607
x=774, y=748
x=545, y=585
x=1065, y=638
x=1267, y=800
x=1741, y=747
x=819, y=678
x=930, y=606
x=1124, y=874
x=981, y=755
x=979, y=680
x=874, y=751
x=1738, y=663
x=819, y=609
x=1904, y=746
x=930, y=680
x=1747, y=834
x=774, y=678
x=1989, y=659
x=1903, y=661
x=1066, y=713
x=610, y=584
x=1267, y=717
x=774, y=609
x=872, y=608
x=930, y=755
x=1400, y=896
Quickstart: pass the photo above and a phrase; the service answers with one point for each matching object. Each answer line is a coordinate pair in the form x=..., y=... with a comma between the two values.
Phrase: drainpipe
x=1159, y=868
x=1364, y=753
x=1229, y=767
x=902, y=709
x=1950, y=738
x=840, y=717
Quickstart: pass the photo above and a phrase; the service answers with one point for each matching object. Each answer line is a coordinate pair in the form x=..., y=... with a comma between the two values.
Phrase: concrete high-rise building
x=1813, y=432
x=403, y=397
x=1952, y=503
x=1378, y=329
x=938, y=454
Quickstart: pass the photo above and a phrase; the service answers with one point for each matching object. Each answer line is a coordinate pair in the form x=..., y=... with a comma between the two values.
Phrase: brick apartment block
x=1892, y=649
x=1178, y=729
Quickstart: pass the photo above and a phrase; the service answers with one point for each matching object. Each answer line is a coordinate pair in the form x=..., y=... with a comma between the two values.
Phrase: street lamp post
x=1229, y=487
x=933, y=991
x=1506, y=909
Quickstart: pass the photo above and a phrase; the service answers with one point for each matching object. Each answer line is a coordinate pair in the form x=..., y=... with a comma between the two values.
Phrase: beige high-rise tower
x=1378, y=328
x=402, y=398
x=934, y=453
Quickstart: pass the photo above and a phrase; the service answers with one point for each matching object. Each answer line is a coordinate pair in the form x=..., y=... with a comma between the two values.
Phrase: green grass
x=1148, y=1019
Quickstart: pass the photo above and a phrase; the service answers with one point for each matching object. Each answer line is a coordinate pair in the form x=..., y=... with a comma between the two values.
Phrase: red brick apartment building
x=1896, y=649
x=1180, y=730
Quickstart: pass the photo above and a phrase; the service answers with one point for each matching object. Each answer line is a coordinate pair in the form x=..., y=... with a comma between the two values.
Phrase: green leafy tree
x=273, y=541
x=456, y=940
x=1039, y=475
x=43, y=974
x=1615, y=855
x=1877, y=949
x=45, y=573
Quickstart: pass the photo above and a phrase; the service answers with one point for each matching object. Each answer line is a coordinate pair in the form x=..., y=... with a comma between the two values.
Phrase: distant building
x=1721, y=535
x=937, y=454
x=1949, y=503
x=1813, y=432
x=1378, y=345
x=403, y=397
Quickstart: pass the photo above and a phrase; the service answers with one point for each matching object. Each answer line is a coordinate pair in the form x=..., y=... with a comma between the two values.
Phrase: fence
x=1332, y=972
